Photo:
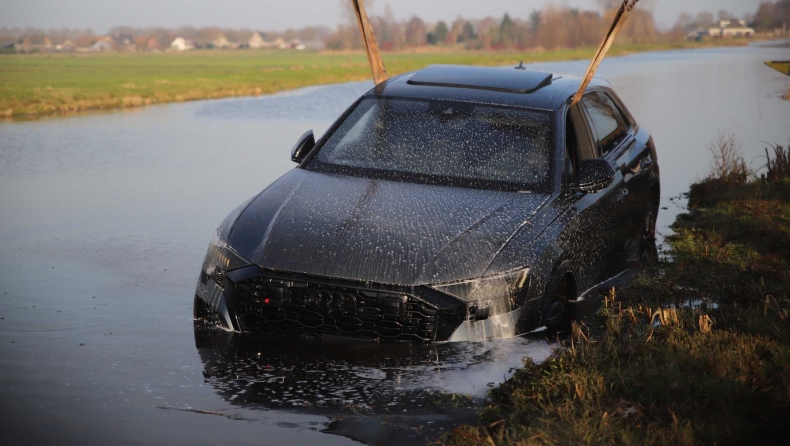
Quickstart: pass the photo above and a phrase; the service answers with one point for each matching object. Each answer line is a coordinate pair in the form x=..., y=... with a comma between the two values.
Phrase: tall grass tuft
x=778, y=169
x=728, y=164
x=728, y=170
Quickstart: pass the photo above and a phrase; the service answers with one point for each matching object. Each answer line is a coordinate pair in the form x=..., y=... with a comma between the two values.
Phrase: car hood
x=379, y=231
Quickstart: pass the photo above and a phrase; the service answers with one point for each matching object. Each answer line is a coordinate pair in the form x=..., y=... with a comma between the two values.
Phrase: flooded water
x=105, y=218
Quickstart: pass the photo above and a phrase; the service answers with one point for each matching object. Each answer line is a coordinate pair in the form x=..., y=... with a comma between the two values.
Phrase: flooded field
x=105, y=219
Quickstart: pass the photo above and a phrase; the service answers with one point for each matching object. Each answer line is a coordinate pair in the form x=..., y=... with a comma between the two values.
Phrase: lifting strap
x=608, y=39
x=369, y=39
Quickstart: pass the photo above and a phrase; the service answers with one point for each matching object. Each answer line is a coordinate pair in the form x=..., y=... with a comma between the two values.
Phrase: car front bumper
x=254, y=300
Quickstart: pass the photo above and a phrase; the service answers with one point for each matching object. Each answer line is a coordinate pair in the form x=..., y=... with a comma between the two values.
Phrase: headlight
x=489, y=295
x=220, y=259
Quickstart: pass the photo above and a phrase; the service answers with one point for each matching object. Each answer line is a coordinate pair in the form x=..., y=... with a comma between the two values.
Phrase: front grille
x=267, y=305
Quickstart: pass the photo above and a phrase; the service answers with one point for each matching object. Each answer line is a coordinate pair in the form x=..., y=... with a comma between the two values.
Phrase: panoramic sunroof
x=482, y=78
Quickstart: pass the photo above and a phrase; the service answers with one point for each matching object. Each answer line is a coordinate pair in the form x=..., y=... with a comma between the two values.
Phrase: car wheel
x=648, y=252
x=557, y=311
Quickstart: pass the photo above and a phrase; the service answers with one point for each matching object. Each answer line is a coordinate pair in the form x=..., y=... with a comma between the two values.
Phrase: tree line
x=548, y=28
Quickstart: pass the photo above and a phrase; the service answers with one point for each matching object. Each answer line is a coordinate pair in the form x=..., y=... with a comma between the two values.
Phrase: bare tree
x=704, y=19
x=766, y=16
x=685, y=21
x=724, y=15
x=416, y=32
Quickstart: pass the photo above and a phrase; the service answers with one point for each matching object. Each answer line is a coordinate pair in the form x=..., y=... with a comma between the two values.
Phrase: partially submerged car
x=452, y=203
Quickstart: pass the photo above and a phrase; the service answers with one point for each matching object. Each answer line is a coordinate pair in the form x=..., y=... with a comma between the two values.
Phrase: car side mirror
x=303, y=146
x=595, y=175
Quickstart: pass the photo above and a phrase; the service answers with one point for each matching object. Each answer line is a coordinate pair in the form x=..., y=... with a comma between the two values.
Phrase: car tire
x=648, y=253
x=557, y=311
x=200, y=309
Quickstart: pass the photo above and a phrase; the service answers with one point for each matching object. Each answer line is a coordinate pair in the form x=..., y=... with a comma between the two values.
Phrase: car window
x=579, y=134
x=441, y=142
x=609, y=123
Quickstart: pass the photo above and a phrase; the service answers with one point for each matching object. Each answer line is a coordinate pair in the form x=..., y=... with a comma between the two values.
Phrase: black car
x=451, y=203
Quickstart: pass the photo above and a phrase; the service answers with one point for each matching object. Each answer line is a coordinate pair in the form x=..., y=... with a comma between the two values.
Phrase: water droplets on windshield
x=442, y=142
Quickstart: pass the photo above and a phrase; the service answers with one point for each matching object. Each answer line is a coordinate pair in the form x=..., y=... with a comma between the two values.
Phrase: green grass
x=36, y=84
x=676, y=383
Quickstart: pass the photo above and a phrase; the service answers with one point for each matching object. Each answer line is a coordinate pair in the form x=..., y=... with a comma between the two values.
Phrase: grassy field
x=693, y=351
x=36, y=84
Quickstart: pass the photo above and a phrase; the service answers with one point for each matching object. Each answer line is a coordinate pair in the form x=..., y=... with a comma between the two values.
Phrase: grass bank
x=45, y=83
x=693, y=351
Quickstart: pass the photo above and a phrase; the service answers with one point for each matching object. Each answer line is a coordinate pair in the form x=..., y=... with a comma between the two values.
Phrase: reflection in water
x=375, y=377
x=370, y=389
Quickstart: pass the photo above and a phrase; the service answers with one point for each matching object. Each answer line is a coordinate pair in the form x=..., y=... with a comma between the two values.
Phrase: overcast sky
x=277, y=15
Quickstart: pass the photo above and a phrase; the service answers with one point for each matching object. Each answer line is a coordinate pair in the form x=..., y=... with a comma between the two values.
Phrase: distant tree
x=440, y=31
x=438, y=35
x=685, y=21
x=468, y=32
x=312, y=33
x=704, y=19
x=416, y=32
x=507, y=22
x=485, y=40
x=456, y=29
x=486, y=25
x=534, y=20
x=392, y=30
x=765, y=17
x=236, y=36
x=724, y=15
x=782, y=10
x=389, y=15
x=639, y=28
x=554, y=31
x=771, y=16
x=507, y=31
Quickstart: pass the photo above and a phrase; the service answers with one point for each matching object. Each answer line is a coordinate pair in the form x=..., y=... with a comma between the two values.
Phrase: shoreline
x=70, y=84
x=692, y=351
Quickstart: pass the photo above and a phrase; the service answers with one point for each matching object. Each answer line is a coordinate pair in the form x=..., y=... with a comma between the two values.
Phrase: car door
x=612, y=137
x=588, y=236
x=635, y=161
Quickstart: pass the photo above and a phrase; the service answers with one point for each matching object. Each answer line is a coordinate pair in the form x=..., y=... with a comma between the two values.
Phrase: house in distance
x=731, y=28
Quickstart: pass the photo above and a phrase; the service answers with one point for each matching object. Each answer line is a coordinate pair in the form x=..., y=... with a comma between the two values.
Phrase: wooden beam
x=371, y=46
x=619, y=20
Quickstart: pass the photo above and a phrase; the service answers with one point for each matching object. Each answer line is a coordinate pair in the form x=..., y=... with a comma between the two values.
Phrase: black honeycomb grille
x=264, y=305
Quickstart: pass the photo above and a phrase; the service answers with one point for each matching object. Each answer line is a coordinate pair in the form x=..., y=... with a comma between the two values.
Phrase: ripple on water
x=329, y=375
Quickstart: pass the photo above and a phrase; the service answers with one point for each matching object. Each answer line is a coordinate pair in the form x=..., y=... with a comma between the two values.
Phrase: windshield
x=441, y=142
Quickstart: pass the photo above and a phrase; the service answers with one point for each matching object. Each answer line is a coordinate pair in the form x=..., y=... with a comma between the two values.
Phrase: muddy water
x=105, y=218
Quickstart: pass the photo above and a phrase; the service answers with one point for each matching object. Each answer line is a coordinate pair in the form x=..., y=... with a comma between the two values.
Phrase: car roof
x=486, y=85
